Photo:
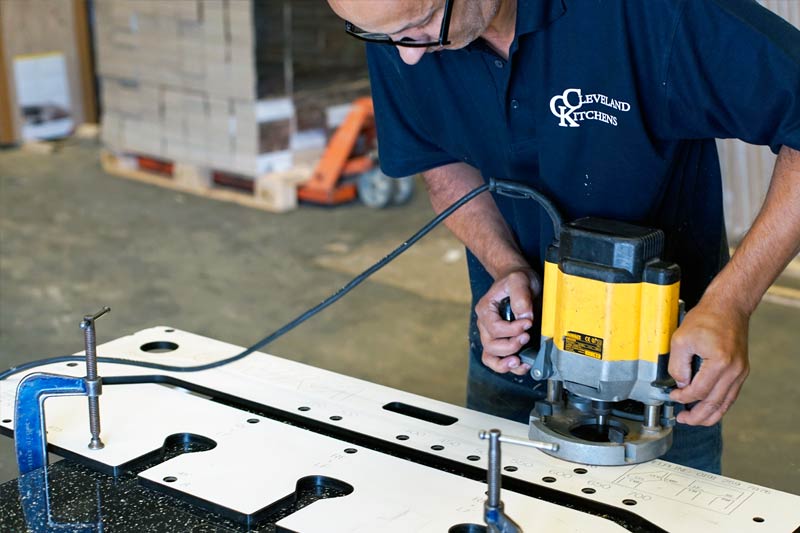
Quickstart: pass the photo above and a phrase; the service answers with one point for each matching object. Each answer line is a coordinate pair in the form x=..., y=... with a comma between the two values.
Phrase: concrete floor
x=73, y=239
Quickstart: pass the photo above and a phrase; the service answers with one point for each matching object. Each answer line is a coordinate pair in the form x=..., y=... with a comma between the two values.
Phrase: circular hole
x=350, y=450
x=758, y=519
x=253, y=420
x=169, y=330
x=629, y=502
x=510, y=468
x=336, y=417
x=158, y=347
x=304, y=408
x=549, y=479
x=402, y=437
x=580, y=470
x=473, y=457
x=170, y=479
x=437, y=447
x=72, y=364
x=589, y=429
x=6, y=421
x=588, y=490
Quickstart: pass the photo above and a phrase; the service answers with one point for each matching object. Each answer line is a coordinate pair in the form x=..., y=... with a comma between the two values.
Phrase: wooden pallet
x=275, y=192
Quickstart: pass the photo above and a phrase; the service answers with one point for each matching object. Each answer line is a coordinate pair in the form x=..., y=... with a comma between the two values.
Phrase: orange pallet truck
x=348, y=168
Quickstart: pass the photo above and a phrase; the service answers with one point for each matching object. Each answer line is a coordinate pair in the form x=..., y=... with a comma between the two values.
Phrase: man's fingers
x=505, y=364
x=502, y=345
x=505, y=347
x=710, y=411
x=680, y=360
x=700, y=387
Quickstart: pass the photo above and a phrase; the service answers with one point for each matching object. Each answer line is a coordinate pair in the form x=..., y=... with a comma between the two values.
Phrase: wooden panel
x=36, y=27
x=6, y=118
x=258, y=459
x=85, y=60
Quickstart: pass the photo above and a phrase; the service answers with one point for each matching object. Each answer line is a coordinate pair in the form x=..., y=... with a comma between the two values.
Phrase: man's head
x=419, y=20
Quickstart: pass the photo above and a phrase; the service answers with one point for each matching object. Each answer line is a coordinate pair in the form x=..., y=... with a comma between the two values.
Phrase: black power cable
x=504, y=187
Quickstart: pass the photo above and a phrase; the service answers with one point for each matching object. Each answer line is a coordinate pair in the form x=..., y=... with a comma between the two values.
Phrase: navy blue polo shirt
x=609, y=107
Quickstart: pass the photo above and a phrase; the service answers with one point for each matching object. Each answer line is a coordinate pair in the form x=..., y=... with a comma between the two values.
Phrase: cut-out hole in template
x=174, y=445
x=170, y=479
x=6, y=421
x=588, y=490
x=758, y=519
x=420, y=414
x=467, y=528
x=629, y=502
x=307, y=491
x=159, y=347
x=72, y=364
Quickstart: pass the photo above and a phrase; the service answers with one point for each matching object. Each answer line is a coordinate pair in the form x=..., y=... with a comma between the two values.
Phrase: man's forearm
x=771, y=243
x=478, y=224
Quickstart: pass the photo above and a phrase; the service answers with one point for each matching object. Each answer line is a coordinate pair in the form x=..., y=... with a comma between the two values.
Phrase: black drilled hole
x=629, y=502
x=6, y=421
x=758, y=519
x=336, y=418
x=170, y=330
x=72, y=364
x=350, y=450
x=159, y=347
x=170, y=479
x=473, y=457
x=437, y=447
x=402, y=437
x=580, y=470
x=304, y=408
x=588, y=490
x=549, y=479
x=253, y=420
x=510, y=468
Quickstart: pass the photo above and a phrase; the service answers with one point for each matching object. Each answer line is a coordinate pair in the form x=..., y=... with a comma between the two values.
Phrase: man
x=611, y=109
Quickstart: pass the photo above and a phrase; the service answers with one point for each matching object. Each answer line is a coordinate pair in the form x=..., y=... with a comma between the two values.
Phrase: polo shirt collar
x=534, y=15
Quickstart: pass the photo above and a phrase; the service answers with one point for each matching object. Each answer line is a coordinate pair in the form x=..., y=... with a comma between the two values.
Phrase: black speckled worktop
x=81, y=499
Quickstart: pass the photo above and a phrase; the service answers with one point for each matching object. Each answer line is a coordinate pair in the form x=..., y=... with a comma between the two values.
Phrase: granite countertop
x=80, y=499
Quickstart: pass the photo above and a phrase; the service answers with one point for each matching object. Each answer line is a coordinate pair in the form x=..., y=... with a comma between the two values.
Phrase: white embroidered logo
x=567, y=107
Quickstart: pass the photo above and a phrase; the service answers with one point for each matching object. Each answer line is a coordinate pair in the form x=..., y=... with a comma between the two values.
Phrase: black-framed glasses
x=382, y=38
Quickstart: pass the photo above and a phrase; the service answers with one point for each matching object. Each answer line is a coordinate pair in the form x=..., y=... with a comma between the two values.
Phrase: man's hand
x=502, y=339
x=718, y=335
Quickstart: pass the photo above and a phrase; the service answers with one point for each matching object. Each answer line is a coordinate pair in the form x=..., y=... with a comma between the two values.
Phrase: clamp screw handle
x=92, y=379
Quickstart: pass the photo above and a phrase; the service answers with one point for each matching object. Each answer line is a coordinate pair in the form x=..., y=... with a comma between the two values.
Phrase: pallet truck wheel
x=403, y=190
x=375, y=189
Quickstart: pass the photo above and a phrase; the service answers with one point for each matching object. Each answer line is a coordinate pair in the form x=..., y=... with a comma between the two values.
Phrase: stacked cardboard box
x=197, y=81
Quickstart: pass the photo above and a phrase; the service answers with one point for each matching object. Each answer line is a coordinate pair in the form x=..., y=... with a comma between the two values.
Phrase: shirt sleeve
x=734, y=72
x=404, y=146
